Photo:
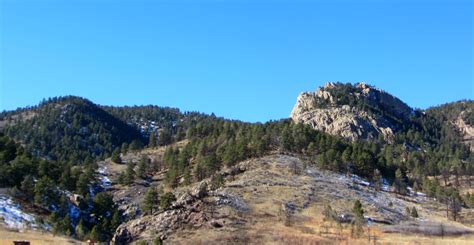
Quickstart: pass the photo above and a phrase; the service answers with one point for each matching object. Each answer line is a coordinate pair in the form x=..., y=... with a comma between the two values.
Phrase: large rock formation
x=355, y=112
x=465, y=129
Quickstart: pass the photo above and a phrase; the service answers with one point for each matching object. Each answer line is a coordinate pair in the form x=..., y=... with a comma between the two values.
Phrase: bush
x=166, y=200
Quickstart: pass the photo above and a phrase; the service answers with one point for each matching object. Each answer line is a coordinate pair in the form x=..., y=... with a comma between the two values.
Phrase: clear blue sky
x=245, y=60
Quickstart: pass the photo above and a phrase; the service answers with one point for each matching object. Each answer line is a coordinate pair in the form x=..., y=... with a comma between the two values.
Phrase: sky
x=245, y=60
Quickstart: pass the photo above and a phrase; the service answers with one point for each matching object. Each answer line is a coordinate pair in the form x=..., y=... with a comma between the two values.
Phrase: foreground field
x=34, y=237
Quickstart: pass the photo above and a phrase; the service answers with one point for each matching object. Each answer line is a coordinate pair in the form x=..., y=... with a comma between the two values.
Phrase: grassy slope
x=35, y=237
x=271, y=182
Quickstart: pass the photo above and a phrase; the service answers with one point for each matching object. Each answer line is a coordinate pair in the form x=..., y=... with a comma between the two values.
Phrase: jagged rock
x=324, y=111
x=216, y=223
x=223, y=197
x=288, y=208
x=183, y=199
x=200, y=190
x=161, y=224
x=466, y=130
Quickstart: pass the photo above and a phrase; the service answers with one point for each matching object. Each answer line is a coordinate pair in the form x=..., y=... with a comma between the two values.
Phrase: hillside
x=68, y=129
x=280, y=199
x=458, y=116
x=181, y=176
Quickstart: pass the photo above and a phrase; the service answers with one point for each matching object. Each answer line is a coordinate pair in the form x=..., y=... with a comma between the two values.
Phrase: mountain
x=458, y=116
x=349, y=155
x=68, y=129
x=74, y=129
x=354, y=112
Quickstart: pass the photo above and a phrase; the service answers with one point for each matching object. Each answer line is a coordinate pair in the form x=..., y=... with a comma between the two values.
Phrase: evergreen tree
x=166, y=200
x=116, y=156
x=81, y=230
x=129, y=174
x=27, y=186
x=358, y=221
x=414, y=213
x=94, y=235
x=151, y=201
x=124, y=148
x=152, y=141
x=378, y=181
x=82, y=185
x=399, y=183
x=142, y=167
x=116, y=220
x=45, y=194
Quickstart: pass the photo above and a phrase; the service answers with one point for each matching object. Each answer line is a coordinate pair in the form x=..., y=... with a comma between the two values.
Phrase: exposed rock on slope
x=466, y=130
x=353, y=112
x=273, y=199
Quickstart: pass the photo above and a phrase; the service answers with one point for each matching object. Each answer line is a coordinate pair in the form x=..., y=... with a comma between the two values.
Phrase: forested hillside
x=49, y=152
x=69, y=129
x=48, y=186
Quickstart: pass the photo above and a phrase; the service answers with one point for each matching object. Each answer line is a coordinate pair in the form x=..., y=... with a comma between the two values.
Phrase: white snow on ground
x=104, y=180
x=417, y=194
x=420, y=194
x=12, y=215
x=385, y=185
x=359, y=180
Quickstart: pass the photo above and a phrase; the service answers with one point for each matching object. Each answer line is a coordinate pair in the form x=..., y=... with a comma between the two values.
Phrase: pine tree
x=414, y=213
x=44, y=192
x=94, y=235
x=82, y=185
x=377, y=180
x=150, y=203
x=116, y=219
x=66, y=227
x=152, y=141
x=129, y=173
x=116, y=156
x=358, y=221
x=81, y=229
x=27, y=186
x=124, y=148
x=166, y=200
x=329, y=214
x=142, y=167
x=399, y=183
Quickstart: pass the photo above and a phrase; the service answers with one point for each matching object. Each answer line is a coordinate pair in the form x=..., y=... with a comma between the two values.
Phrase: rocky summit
x=355, y=112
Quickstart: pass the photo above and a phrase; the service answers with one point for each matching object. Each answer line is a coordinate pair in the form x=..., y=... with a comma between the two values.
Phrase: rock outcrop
x=359, y=112
x=465, y=129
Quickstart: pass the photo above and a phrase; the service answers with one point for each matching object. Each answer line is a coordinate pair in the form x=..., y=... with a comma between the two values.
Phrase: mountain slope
x=279, y=199
x=264, y=169
x=68, y=129
x=457, y=117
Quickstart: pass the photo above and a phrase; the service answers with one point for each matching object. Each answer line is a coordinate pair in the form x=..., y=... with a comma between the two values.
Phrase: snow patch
x=12, y=215
x=105, y=182
x=359, y=180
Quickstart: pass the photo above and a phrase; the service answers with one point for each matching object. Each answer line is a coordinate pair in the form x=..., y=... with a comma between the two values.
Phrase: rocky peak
x=355, y=112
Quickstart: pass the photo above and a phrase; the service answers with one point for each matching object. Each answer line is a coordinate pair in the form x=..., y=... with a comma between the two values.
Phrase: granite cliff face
x=355, y=112
x=465, y=129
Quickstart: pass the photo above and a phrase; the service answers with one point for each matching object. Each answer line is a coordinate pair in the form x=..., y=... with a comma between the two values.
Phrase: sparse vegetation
x=359, y=220
x=166, y=200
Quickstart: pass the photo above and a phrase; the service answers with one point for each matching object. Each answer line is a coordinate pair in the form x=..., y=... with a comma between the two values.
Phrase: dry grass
x=269, y=182
x=35, y=237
